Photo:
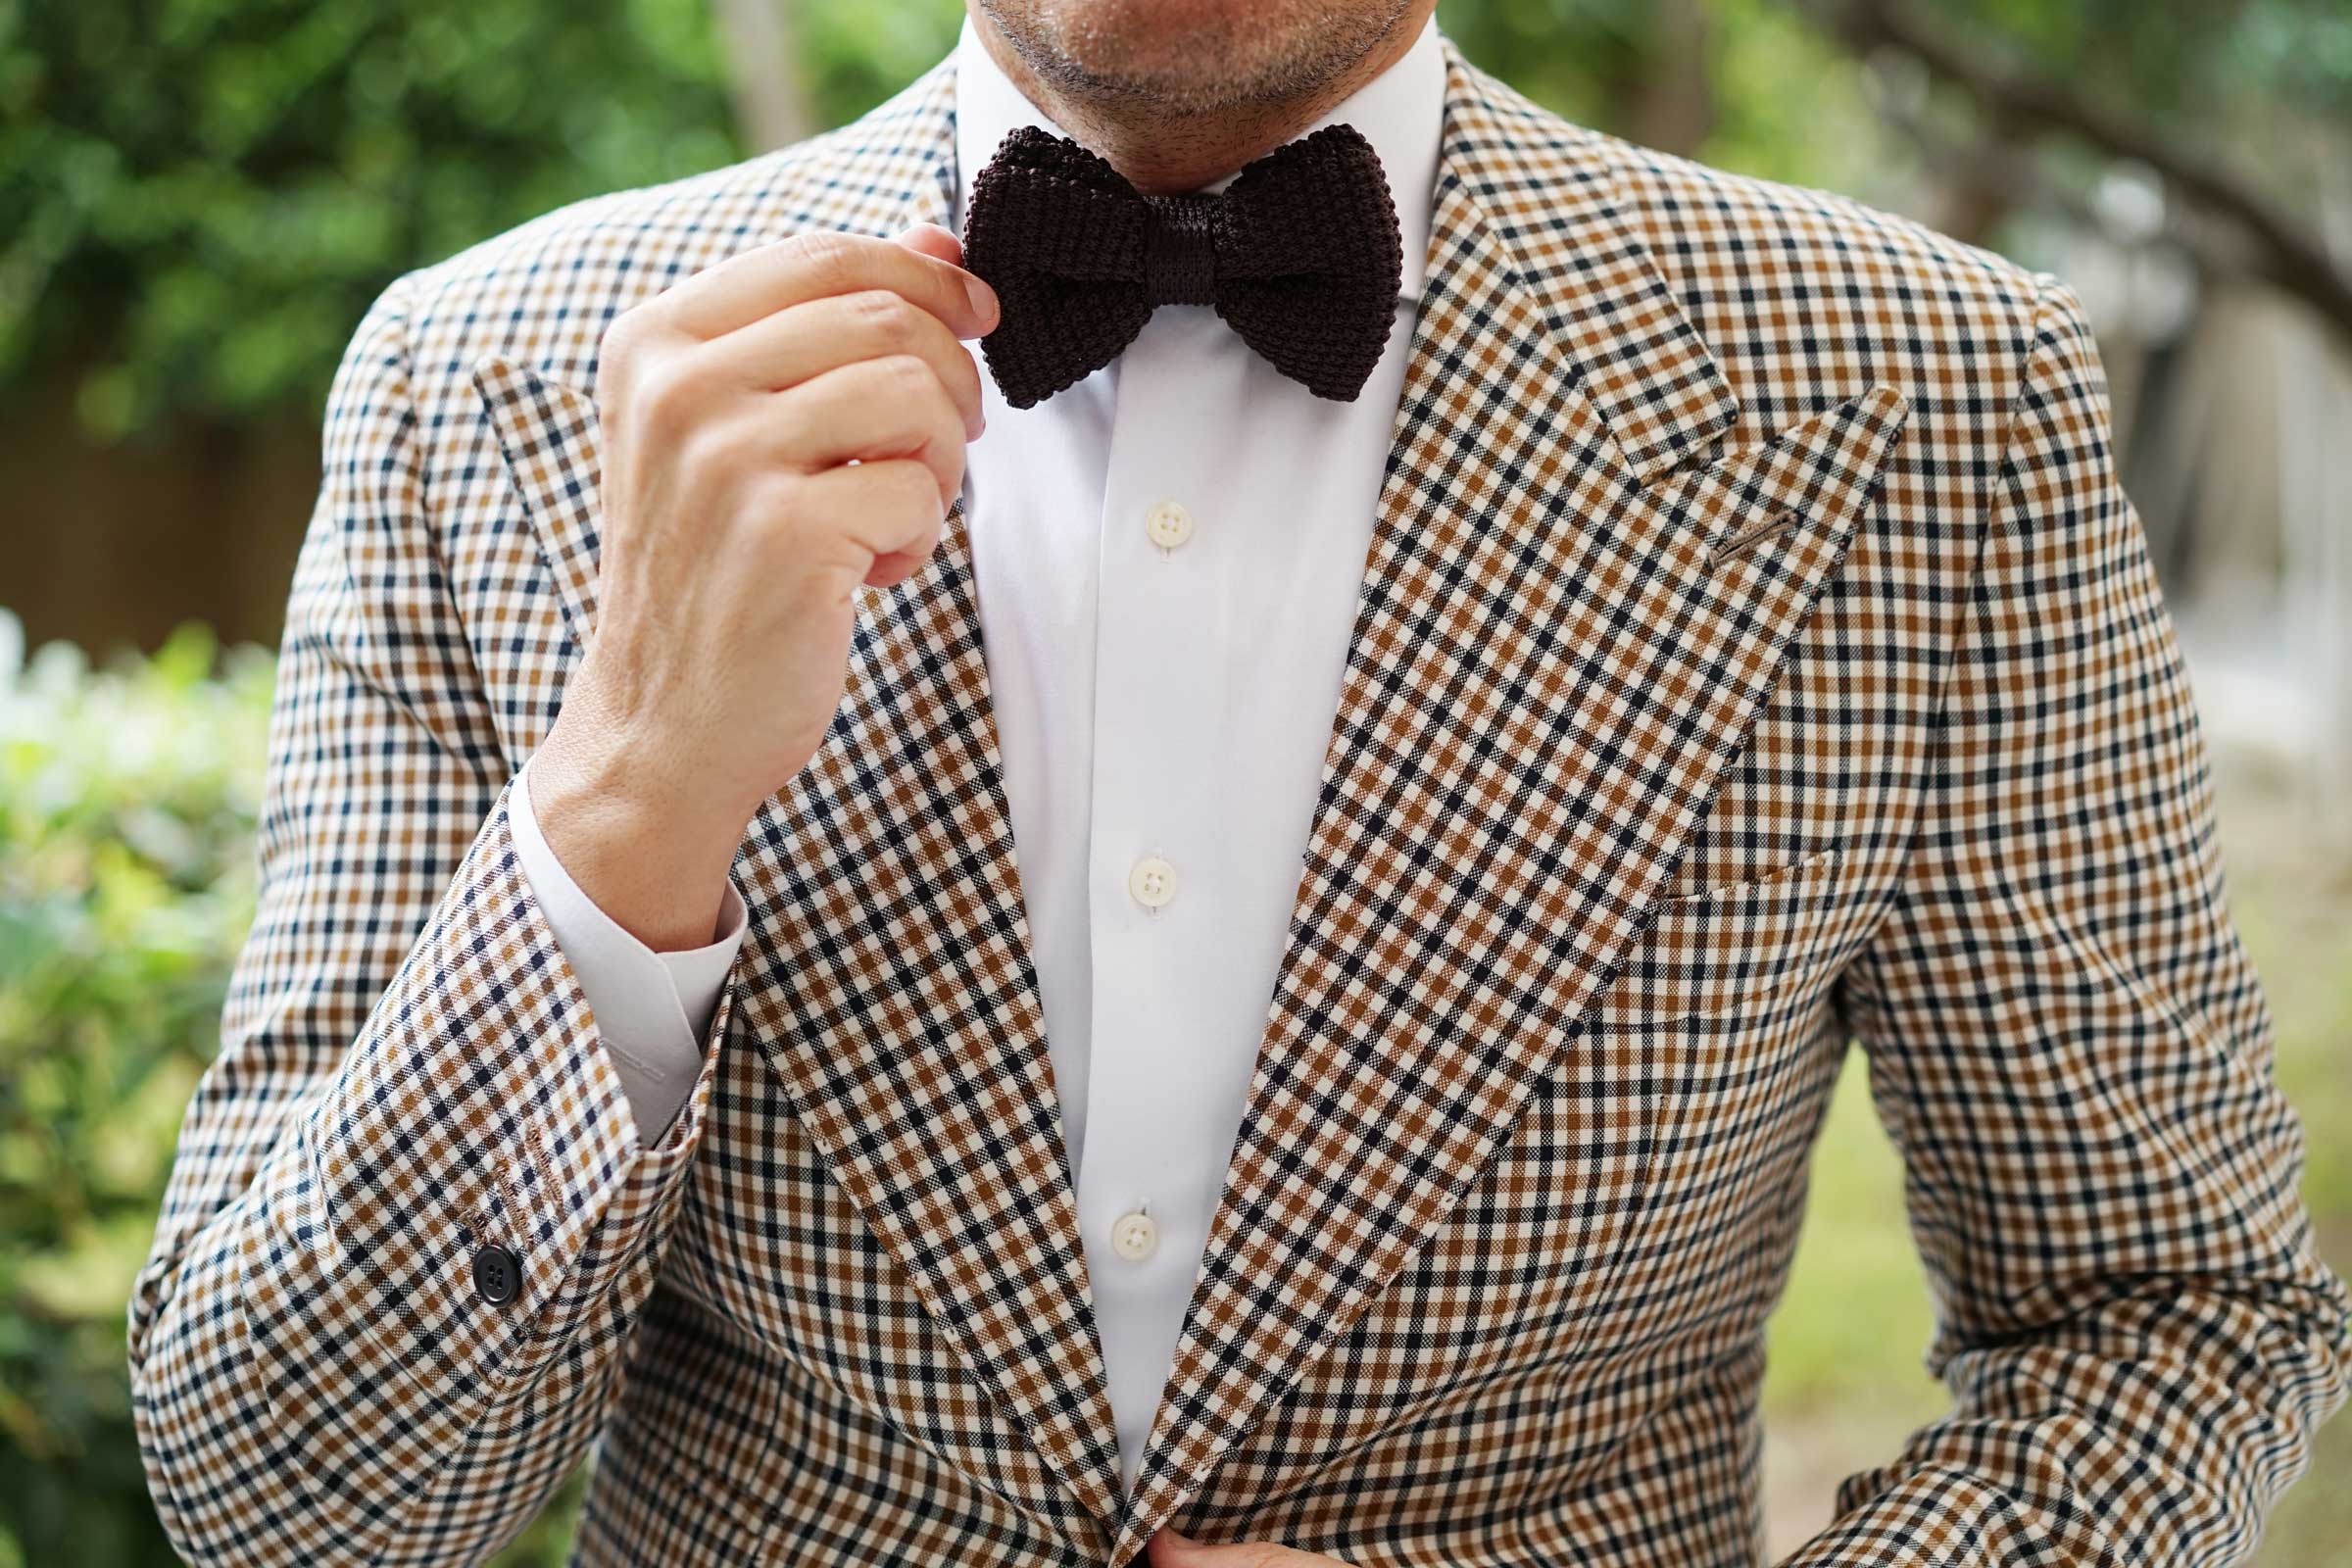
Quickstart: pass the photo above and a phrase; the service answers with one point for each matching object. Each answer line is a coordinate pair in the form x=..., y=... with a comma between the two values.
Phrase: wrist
x=649, y=849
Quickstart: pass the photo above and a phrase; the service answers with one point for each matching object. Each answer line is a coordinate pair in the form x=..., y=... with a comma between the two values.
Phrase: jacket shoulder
x=1803, y=298
x=1693, y=208
x=1791, y=285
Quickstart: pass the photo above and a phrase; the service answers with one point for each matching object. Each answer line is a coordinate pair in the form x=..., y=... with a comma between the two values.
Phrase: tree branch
x=2279, y=247
x=762, y=60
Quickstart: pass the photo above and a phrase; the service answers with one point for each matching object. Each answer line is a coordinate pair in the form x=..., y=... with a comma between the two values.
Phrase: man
x=1484, y=712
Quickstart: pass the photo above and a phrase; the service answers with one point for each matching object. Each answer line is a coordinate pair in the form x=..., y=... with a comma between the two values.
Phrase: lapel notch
x=1545, y=192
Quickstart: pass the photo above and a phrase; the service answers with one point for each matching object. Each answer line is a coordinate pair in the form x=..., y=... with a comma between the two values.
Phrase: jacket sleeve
x=2072, y=1053
x=408, y=1075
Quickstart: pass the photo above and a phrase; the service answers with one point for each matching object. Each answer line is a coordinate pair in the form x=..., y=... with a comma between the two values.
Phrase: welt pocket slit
x=1724, y=948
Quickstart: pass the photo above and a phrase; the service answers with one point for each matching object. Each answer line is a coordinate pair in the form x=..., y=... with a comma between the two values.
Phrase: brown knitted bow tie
x=1301, y=253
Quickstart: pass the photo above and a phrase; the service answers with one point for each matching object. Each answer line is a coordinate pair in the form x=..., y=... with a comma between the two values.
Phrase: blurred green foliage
x=201, y=196
x=127, y=799
x=198, y=198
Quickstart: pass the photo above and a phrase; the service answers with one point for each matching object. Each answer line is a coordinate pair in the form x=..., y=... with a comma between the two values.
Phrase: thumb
x=933, y=240
x=1168, y=1550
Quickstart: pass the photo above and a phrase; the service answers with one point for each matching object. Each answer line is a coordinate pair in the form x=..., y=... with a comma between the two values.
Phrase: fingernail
x=983, y=299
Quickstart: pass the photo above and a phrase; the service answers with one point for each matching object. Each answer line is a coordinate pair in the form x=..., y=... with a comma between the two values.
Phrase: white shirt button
x=1152, y=882
x=1168, y=525
x=1133, y=1236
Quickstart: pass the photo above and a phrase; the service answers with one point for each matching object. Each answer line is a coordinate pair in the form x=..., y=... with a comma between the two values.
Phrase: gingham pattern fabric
x=1755, y=650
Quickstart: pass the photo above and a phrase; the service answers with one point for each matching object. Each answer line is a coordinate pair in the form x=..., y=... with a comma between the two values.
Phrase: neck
x=1159, y=149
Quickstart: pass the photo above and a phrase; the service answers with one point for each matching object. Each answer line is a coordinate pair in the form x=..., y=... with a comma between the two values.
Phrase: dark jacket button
x=497, y=1274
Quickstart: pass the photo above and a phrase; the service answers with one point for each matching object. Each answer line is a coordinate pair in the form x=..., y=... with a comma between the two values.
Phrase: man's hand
x=776, y=430
x=1168, y=1550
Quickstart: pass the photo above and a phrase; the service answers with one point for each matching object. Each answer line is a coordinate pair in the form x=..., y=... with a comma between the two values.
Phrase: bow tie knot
x=1301, y=254
x=1180, y=249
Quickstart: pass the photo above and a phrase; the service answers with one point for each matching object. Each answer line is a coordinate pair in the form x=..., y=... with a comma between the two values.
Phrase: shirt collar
x=1401, y=111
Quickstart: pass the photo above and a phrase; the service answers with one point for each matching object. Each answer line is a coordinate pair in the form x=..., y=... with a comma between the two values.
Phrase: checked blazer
x=1755, y=652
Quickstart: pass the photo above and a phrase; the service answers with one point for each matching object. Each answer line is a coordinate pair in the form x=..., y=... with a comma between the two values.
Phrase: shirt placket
x=1152, y=1166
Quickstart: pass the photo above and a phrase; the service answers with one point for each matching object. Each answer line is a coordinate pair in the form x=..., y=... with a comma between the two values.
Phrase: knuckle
x=775, y=516
x=663, y=395
x=707, y=453
x=881, y=312
x=907, y=376
x=903, y=489
x=623, y=343
x=917, y=487
x=823, y=254
x=773, y=496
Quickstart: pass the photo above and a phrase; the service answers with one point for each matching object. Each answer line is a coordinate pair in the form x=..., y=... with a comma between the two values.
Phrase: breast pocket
x=1724, y=951
x=1708, y=1036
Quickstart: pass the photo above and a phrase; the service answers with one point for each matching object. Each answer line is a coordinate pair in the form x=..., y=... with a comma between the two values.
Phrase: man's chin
x=1192, y=55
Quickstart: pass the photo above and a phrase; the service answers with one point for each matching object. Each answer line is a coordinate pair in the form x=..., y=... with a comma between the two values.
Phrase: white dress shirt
x=1168, y=557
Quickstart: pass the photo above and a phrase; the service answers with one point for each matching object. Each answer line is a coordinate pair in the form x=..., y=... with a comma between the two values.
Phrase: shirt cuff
x=650, y=1008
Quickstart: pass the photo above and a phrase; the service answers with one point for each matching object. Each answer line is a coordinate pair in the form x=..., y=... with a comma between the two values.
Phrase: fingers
x=756, y=283
x=888, y=508
x=893, y=407
x=933, y=240
x=787, y=348
x=1168, y=1550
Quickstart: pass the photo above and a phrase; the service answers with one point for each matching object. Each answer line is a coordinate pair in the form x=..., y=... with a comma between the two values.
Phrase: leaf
x=89, y=1279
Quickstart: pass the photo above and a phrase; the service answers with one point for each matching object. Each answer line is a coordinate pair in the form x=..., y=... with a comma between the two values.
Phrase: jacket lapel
x=889, y=981
x=1573, y=612
x=898, y=1002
